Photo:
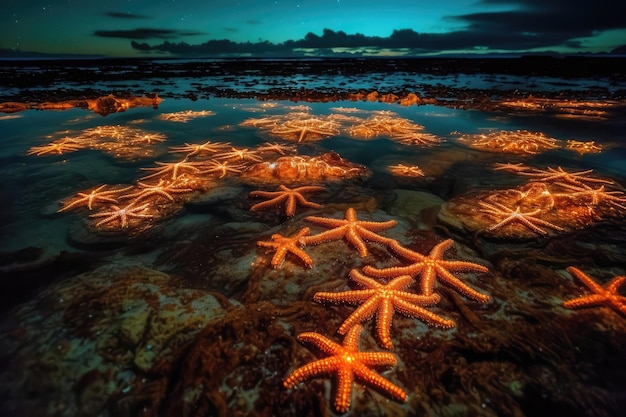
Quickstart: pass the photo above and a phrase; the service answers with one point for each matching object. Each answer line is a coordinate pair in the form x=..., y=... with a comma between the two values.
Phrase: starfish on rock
x=284, y=245
x=527, y=219
x=352, y=229
x=91, y=197
x=607, y=295
x=431, y=266
x=348, y=363
x=163, y=189
x=123, y=214
x=383, y=300
x=290, y=197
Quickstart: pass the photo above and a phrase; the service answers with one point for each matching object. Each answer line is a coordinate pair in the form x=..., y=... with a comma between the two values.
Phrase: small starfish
x=276, y=147
x=174, y=167
x=123, y=214
x=290, y=197
x=559, y=174
x=431, y=266
x=207, y=147
x=519, y=167
x=613, y=198
x=162, y=189
x=406, y=170
x=350, y=228
x=348, y=363
x=89, y=198
x=59, y=147
x=243, y=154
x=511, y=216
x=382, y=301
x=284, y=245
x=222, y=167
x=607, y=295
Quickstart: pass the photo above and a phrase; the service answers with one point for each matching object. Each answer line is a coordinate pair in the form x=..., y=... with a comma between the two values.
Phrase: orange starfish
x=89, y=198
x=289, y=196
x=162, y=189
x=601, y=295
x=527, y=219
x=431, y=266
x=174, y=167
x=348, y=363
x=352, y=229
x=123, y=214
x=284, y=245
x=383, y=300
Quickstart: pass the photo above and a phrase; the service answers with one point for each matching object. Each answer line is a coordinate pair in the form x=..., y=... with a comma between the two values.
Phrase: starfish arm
x=290, y=205
x=377, y=226
x=345, y=297
x=308, y=261
x=384, y=319
x=353, y=237
x=265, y=194
x=394, y=271
x=463, y=266
x=532, y=224
x=334, y=234
x=320, y=367
x=420, y=299
x=325, y=222
x=418, y=312
x=345, y=380
x=377, y=359
x=615, y=284
x=371, y=378
x=264, y=205
x=585, y=279
x=585, y=301
x=309, y=189
x=373, y=237
x=428, y=279
x=322, y=343
x=364, y=280
x=439, y=249
x=351, y=339
x=305, y=203
x=508, y=220
x=362, y=313
x=405, y=252
x=460, y=286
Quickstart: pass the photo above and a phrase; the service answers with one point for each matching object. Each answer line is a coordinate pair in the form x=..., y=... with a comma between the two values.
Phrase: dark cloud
x=526, y=25
x=122, y=15
x=144, y=33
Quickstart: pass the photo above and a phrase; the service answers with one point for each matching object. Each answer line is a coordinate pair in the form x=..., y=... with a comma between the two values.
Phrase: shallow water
x=221, y=323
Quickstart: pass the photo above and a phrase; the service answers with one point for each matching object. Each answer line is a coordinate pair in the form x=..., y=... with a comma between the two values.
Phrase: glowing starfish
x=243, y=154
x=222, y=167
x=431, y=266
x=517, y=216
x=406, y=170
x=613, y=198
x=163, y=189
x=302, y=129
x=382, y=301
x=350, y=228
x=348, y=363
x=207, y=147
x=607, y=295
x=284, y=245
x=59, y=147
x=91, y=197
x=174, y=167
x=519, y=167
x=290, y=197
x=276, y=147
x=559, y=174
x=123, y=214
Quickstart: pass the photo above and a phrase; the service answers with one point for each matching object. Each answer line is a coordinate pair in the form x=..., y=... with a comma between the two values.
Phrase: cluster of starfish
x=119, y=141
x=301, y=126
x=185, y=115
x=516, y=142
x=553, y=201
x=573, y=109
x=384, y=292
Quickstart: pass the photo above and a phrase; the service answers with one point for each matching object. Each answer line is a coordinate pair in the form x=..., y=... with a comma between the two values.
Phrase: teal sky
x=310, y=27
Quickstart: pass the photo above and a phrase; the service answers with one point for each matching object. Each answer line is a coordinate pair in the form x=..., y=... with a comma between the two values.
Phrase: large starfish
x=350, y=228
x=89, y=198
x=613, y=198
x=58, y=147
x=559, y=174
x=517, y=216
x=431, y=266
x=284, y=245
x=163, y=189
x=289, y=197
x=607, y=295
x=122, y=214
x=348, y=363
x=383, y=300
x=241, y=154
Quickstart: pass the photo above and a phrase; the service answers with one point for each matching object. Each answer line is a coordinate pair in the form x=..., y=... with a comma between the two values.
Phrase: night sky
x=311, y=28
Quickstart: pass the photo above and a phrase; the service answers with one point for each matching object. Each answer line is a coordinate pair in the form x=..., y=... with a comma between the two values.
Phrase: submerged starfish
x=242, y=154
x=59, y=147
x=174, y=167
x=123, y=214
x=607, y=295
x=406, y=170
x=284, y=245
x=89, y=198
x=302, y=129
x=612, y=198
x=289, y=197
x=431, y=266
x=163, y=189
x=222, y=167
x=350, y=228
x=348, y=363
x=207, y=147
x=511, y=216
x=383, y=300
x=559, y=174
